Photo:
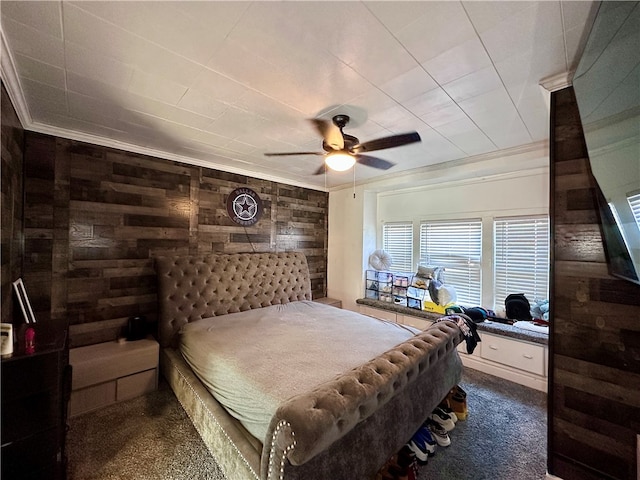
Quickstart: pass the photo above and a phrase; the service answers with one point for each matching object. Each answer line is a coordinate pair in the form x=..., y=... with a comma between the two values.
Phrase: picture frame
x=414, y=303
x=23, y=300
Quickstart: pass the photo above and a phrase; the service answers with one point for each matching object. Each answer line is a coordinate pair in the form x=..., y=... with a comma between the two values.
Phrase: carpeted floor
x=505, y=436
x=151, y=438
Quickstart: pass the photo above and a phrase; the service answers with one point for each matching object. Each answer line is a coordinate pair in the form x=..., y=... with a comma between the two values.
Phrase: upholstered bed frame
x=346, y=428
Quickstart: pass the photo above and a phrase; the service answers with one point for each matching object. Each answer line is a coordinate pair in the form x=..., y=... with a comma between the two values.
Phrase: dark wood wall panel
x=98, y=216
x=594, y=348
x=124, y=209
x=39, y=189
x=11, y=249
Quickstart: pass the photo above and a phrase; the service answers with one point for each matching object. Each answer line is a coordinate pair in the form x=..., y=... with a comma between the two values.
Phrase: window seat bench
x=504, y=350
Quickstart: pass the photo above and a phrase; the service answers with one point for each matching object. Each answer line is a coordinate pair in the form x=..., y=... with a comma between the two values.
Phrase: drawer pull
x=527, y=356
x=493, y=347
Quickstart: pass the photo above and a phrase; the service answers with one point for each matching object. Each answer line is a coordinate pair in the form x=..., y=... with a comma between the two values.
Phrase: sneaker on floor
x=429, y=440
x=457, y=401
x=458, y=389
x=440, y=434
x=405, y=457
x=417, y=447
x=459, y=406
x=422, y=445
x=443, y=419
x=399, y=473
x=445, y=407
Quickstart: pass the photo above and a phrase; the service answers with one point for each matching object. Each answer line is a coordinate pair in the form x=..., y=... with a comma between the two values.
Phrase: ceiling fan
x=342, y=151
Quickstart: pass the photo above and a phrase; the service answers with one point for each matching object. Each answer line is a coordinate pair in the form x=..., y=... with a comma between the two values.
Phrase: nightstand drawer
x=137, y=384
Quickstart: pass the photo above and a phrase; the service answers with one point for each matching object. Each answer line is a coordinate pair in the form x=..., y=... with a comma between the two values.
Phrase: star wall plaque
x=244, y=207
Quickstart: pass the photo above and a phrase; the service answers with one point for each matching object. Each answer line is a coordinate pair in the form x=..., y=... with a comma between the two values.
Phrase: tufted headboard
x=202, y=286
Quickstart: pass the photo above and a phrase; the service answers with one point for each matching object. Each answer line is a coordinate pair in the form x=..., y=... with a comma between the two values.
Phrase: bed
x=281, y=387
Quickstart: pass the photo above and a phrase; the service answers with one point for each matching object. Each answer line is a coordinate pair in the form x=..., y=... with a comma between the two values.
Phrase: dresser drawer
x=521, y=355
x=137, y=384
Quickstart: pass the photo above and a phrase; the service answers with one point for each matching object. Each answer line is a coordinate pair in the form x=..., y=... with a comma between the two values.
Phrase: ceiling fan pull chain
x=354, y=181
x=325, y=176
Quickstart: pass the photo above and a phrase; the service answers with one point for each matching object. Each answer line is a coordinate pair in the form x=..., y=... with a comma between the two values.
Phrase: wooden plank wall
x=96, y=217
x=595, y=338
x=11, y=206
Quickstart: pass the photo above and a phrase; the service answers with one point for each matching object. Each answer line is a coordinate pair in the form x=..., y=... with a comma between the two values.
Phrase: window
x=456, y=246
x=634, y=203
x=397, y=241
x=521, y=252
x=616, y=217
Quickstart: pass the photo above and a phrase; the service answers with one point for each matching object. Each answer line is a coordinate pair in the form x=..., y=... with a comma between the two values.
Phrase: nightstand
x=110, y=372
x=35, y=392
x=329, y=301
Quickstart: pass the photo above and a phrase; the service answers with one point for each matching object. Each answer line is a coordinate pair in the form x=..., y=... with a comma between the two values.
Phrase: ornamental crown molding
x=557, y=82
x=11, y=81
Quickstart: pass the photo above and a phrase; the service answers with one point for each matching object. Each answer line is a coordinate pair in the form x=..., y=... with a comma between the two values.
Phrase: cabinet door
x=31, y=396
x=421, y=323
x=34, y=457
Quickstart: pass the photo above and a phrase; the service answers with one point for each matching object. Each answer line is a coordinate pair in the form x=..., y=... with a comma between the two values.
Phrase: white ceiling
x=221, y=83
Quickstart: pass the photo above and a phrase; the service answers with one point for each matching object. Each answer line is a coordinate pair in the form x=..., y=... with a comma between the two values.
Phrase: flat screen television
x=607, y=89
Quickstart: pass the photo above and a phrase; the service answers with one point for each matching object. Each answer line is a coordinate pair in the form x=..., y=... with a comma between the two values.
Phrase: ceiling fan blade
x=388, y=142
x=321, y=169
x=374, y=162
x=282, y=154
x=330, y=134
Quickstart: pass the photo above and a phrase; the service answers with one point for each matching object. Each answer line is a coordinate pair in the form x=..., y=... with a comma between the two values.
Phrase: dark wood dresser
x=36, y=385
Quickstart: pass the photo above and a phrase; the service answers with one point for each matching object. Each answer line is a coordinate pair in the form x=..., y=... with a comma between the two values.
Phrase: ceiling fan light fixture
x=340, y=161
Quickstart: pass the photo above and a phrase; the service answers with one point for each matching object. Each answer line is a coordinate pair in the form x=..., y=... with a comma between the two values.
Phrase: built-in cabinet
x=514, y=359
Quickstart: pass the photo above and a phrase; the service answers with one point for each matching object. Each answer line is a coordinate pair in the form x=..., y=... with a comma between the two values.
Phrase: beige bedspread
x=253, y=361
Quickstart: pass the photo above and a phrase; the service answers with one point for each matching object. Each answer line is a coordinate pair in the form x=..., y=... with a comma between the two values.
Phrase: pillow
x=380, y=260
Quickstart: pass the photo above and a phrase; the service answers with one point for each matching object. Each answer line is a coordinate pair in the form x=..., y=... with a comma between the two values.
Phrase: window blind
x=634, y=203
x=456, y=246
x=521, y=253
x=397, y=241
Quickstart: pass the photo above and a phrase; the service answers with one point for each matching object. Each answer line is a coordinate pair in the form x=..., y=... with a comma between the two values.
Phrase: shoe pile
x=432, y=433
x=435, y=430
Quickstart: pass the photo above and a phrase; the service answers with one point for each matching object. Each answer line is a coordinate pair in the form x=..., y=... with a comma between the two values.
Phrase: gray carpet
x=504, y=437
x=152, y=438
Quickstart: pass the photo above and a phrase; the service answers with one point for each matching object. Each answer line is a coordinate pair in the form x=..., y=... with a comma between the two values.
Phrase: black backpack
x=517, y=307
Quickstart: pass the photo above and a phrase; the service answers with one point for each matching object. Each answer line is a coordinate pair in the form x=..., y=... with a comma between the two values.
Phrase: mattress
x=253, y=361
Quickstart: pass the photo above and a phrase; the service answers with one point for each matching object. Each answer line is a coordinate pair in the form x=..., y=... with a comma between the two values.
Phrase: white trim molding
x=548, y=476
x=557, y=81
x=166, y=155
x=11, y=82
